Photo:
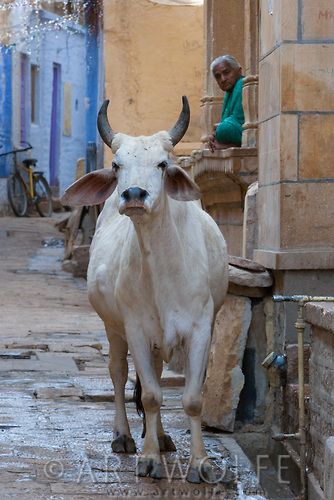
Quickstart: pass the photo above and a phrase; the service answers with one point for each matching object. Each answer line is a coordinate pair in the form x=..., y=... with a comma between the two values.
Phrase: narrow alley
x=56, y=396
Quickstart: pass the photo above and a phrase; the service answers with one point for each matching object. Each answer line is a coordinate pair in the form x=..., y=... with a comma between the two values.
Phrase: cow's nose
x=134, y=193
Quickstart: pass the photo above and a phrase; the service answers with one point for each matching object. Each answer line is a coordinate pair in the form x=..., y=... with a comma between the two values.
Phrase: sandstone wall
x=321, y=374
x=153, y=55
x=296, y=128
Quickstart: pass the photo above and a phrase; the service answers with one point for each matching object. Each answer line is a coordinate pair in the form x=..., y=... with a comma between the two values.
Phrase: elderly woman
x=228, y=75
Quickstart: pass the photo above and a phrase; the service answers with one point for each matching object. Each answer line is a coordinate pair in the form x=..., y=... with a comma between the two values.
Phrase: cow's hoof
x=157, y=470
x=166, y=443
x=204, y=473
x=149, y=467
x=123, y=444
x=208, y=474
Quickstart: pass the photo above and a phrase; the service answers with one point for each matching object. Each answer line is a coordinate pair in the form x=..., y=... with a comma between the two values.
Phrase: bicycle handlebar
x=18, y=150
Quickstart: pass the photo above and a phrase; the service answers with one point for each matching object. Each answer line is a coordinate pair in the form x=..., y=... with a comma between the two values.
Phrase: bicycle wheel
x=17, y=195
x=43, y=199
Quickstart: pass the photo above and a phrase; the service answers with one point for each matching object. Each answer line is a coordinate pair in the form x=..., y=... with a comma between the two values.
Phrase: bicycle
x=35, y=190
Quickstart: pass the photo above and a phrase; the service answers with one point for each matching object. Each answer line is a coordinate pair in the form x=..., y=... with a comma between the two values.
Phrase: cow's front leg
x=118, y=369
x=165, y=441
x=149, y=463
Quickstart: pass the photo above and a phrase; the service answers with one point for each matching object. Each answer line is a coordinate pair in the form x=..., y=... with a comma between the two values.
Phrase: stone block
x=269, y=86
x=298, y=207
x=245, y=277
x=329, y=468
x=80, y=259
x=278, y=22
x=316, y=146
x=269, y=153
x=268, y=200
x=320, y=314
x=296, y=259
x=56, y=362
x=250, y=222
x=288, y=147
x=169, y=378
x=289, y=19
x=247, y=291
x=278, y=155
x=307, y=77
x=225, y=380
x=318, y=20
x=57, y=393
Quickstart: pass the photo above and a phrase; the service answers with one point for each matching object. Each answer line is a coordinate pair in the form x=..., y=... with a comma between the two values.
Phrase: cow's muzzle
x=133, y=201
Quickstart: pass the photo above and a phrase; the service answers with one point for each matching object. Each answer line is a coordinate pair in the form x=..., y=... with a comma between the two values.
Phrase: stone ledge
x=322, y=258
x=230, y=152
x=241, y=161
x=320, y=314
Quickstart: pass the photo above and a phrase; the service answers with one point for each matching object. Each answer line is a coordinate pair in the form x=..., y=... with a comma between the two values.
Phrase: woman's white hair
x=229, y=59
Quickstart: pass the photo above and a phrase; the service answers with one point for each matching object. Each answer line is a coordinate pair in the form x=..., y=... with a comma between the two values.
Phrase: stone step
x=169, y=378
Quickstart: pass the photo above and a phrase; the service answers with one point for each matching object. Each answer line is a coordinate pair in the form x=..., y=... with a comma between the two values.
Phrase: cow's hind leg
x=118, y=369
x=200, y=469
x=198, y=349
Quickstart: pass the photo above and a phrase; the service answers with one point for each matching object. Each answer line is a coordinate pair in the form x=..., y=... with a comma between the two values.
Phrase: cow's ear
x=179, y=185
x=91, y=189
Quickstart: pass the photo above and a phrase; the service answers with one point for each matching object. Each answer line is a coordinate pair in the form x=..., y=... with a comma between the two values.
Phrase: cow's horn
x=103, y=124
x=180, y=128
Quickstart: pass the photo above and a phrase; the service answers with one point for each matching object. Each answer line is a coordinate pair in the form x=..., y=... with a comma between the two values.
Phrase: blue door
x=23, y=100
x=55, y=127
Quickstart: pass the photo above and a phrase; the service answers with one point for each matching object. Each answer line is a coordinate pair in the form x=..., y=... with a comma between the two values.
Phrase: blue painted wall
x=69, y=51
x=94, y=76
x=6, y=108
x=77, y=50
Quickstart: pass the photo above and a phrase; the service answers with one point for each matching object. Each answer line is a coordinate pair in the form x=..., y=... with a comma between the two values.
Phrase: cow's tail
x=139, y=404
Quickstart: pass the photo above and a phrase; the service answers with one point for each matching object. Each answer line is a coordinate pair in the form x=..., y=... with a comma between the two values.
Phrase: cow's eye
x=115, y=167
x=162, y=165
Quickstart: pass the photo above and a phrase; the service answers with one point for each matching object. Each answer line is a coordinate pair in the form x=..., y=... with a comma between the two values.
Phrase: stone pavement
x=56, y=396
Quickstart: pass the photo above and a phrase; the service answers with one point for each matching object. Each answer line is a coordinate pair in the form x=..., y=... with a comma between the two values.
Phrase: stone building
x=271, y=197
x=51, y=85
x=285, y=221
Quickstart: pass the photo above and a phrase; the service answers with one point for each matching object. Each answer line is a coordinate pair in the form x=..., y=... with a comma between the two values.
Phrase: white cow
x=157, y=274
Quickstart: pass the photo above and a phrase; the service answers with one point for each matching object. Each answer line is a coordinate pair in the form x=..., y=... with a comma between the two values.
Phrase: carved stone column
x=250, y=105
x=251, y=37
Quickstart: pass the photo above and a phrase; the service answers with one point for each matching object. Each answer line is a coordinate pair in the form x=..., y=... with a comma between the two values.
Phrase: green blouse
x=229, y=130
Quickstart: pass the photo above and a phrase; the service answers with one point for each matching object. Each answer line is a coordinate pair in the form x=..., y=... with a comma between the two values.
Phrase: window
x=34, y=93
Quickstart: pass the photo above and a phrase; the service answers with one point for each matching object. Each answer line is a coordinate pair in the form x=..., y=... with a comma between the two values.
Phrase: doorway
x=55, y=127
